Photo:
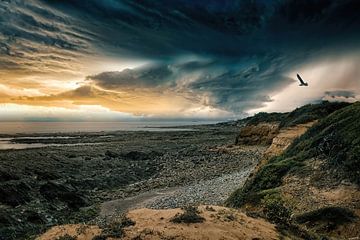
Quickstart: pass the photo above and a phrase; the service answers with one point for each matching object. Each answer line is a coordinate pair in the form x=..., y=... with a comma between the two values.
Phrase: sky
x=110, y=60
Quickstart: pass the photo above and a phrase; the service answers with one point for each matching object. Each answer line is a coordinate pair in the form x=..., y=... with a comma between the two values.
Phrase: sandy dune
x=220, y=223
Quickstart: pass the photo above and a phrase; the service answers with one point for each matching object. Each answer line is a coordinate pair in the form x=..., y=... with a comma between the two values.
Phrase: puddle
x=7, y=143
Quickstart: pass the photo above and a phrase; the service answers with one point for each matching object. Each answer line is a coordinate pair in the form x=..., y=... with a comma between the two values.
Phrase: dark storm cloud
x=29, y=30
x=148, y=76
x=245, y=47
x=25, y=20
x=230, y=28
x=236, y=88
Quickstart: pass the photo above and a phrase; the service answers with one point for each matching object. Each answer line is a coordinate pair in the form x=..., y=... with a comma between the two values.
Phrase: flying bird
x=302, y=83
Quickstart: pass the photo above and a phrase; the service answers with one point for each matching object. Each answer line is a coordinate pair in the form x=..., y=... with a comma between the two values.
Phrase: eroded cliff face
x=285, y=137
x=260, y=134
x=271, y=134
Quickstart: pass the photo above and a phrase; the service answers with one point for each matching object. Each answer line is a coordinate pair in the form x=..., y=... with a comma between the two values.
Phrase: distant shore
x=58, y=128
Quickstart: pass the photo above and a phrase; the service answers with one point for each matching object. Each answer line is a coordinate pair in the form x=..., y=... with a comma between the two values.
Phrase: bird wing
x=300, y=79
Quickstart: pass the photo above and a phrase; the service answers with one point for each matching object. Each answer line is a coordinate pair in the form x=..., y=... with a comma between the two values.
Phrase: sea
x=18, y=129
x=69, y=127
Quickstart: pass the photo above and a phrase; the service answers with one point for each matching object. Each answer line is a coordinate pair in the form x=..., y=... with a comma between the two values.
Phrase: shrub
x=334, y=215
x=115, y=228
x=190, y=215
x=242, y=196
x=270, y=176
x=84, y=214
x=352, y=165
x=274, y=209
x=237, y=198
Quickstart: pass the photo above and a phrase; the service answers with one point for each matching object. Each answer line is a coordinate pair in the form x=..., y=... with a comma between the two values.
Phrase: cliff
x=260, y=134
x=311, y=189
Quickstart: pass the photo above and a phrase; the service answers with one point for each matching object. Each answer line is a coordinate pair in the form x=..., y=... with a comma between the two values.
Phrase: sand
x=220, y=223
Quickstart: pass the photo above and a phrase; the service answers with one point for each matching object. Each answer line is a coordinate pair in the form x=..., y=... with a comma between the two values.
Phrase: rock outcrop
x=285, y=137
x=260, y=134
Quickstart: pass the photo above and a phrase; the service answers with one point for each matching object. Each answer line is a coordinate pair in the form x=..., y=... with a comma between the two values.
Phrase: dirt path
x=120, y=206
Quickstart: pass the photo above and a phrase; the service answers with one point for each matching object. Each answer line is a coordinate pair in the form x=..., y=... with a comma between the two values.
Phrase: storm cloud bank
x=228, y=56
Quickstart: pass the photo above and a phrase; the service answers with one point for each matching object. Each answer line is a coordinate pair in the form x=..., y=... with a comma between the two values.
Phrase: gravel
x=213, y=192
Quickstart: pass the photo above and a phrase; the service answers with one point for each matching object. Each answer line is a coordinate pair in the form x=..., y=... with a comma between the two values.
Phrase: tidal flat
x=75, y=177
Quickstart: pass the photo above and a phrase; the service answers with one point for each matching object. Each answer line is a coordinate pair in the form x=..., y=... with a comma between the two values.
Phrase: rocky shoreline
x=212, y=191
x=42, y=187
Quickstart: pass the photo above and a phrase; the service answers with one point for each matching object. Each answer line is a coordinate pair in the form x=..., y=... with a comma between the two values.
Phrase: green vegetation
x=190, y=215
x=274, y=209
x=115, y=228
x=304, y=114
x=241, y=196
x=335, y=139
x=270, y=175
x=84, y=214
x=265, y=117
x=311, y=112
x=265, y=181
x=328, y=215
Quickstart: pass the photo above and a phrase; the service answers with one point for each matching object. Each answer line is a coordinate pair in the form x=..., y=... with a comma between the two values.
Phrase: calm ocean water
x=66, y=127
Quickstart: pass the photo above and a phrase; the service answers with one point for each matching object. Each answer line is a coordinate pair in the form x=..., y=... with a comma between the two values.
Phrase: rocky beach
x=79, y=177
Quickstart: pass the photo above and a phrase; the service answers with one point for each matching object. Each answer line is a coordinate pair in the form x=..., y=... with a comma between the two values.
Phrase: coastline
x=114, y=166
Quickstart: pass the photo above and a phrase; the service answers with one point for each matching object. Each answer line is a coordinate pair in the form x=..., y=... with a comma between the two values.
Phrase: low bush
x=115, y=228
x=333, y=215
x=240, y=197
x=190, y=215
x=270, y=176
x=274, y=209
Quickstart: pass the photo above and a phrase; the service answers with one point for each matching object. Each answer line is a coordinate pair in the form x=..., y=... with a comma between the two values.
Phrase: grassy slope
x=335, y=138
x=304, y=114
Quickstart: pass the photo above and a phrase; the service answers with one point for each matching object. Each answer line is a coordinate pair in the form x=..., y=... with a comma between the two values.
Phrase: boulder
x=14, y=193
x=53, y=191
